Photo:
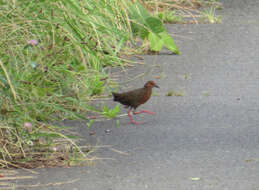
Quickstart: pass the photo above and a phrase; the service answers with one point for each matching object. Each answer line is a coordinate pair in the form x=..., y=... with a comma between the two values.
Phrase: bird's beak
x=156, y=86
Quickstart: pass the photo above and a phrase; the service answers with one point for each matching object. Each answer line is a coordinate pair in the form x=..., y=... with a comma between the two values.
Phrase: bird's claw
x=144, y=111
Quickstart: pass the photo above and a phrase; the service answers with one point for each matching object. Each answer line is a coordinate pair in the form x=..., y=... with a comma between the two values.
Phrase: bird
x=134, y=98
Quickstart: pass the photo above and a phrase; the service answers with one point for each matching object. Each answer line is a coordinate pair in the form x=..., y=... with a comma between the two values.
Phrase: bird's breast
x=146, y=96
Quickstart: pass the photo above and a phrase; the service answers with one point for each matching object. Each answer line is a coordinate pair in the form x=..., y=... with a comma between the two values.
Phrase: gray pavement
x=206, y=139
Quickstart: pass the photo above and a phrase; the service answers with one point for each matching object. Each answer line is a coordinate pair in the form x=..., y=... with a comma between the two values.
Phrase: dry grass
x=189, y=11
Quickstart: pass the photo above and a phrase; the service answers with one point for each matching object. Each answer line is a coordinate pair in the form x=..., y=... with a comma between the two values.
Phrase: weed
x=169, y=16
x=173, y=93
x=210, y=16
x=180, y=10
x=52, y=63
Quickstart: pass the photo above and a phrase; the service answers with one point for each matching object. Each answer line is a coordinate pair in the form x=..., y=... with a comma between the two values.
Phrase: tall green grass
x=54, y=76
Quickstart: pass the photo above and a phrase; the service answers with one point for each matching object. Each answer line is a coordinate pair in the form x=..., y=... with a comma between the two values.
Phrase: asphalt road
x=206, y=139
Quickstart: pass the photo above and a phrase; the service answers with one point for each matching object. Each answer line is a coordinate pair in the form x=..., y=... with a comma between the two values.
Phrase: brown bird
x=133, y=99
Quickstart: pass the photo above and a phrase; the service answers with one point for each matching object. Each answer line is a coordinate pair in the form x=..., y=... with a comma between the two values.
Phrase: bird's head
x=151, y=84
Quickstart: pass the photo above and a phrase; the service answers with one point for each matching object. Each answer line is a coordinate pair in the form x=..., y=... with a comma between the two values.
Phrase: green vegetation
x=184, y=11
x=52, y=60
x=209, y=15
x=151, y=28
x=53, y=56
x=169, y=16
x=174, y=93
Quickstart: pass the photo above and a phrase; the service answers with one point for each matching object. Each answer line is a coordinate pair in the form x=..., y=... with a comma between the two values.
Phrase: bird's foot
x=144, y=111
x=132, y=121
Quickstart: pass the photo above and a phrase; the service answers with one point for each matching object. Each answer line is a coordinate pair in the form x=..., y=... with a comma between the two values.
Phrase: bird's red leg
x=144, y=111
x=131, y=120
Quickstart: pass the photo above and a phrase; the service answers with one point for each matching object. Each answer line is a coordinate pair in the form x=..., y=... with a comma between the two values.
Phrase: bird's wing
x=132, y=98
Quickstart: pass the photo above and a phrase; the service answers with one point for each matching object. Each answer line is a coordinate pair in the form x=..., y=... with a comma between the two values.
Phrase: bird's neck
x=148, y=92
x=148, y=89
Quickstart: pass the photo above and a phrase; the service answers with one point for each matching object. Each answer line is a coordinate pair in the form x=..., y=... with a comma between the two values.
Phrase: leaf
x=116, y=110
x=156, y=43
x=139, y=29
x=111, y=113
x=152, y=28
x=90, y=123
x=138, y=12
x=155, y=25
x=49, y=135
x=169, y=42
x=139, y=20
x=70, y=99
x=76, y=65
x=96, y=86
x=195, y=178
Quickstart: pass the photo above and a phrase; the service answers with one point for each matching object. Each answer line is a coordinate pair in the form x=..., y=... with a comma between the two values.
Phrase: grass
x=209, y=15
x=169, y=16
x=53, y=56
x=52, y=61
x=183, y=11
x=174, y=93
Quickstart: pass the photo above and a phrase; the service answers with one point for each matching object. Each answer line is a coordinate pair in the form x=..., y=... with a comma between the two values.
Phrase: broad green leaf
x=146, y=26
x=169, y=42
x=138, y=15
x=142, y=11
x=156, y=43
x=138, y=12
x=155, y=25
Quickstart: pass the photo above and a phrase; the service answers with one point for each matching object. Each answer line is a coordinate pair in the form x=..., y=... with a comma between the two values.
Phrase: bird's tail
x=115, y=96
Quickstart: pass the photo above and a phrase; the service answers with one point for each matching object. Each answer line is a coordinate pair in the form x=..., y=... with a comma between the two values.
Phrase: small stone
x=92, y=133
x=108, y=131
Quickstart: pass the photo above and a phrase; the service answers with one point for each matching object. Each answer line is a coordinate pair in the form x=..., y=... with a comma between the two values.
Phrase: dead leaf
x=195, y=178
